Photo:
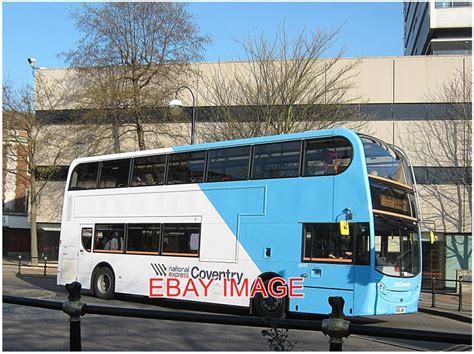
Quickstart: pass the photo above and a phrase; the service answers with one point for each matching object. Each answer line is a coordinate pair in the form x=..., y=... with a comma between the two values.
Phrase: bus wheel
x=104, y=283
x=270, y=306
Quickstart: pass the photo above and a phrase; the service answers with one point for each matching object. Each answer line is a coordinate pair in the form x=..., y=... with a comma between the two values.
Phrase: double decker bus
x=334, y=208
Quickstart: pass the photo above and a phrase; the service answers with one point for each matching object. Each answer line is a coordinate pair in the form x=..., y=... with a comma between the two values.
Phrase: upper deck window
x=329, y=156
x=114, y=173
x=276, y=160
x=149, y=171
x=384, y=162
x=84, y=176
x=186, y=167
x=230, y=164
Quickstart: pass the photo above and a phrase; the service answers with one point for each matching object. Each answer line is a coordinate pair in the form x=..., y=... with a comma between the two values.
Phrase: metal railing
x=336, y=327
x=42, y=262
x=458, y=292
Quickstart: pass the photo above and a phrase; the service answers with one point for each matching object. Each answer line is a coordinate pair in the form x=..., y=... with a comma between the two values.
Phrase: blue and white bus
x=333, y=207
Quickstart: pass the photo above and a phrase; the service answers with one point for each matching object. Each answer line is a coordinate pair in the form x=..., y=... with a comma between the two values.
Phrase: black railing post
x=433, y=292
x=460, y=294
x=19, y=264
x=45, y=263
x=75, y=309
x=336, y=327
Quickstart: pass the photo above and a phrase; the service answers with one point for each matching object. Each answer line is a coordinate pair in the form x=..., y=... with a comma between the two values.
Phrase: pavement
x=21, y=329
x=446, y=305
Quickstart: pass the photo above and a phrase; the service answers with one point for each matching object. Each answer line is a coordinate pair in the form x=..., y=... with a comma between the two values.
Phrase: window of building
x=448, y=4
x=231, y=164
x=109, y=238
x=443, y=175
x=181, y=239
x=114, y=174
x=186, y=167
x=149, y=171
x=323, y=242
x=86, y=238
x=143, y=238
x=84, y=176
x=326, y=156
x=276, y=160
x=51, y=173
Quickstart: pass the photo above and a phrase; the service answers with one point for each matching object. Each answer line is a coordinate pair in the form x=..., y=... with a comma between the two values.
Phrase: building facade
x=405, y=98
x=438, y=27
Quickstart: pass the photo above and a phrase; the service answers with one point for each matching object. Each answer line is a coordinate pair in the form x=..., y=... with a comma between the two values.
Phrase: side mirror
x=433, y=237
x=344, y=227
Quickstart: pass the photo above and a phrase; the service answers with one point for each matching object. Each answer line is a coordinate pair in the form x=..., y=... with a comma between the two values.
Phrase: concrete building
x=407, y=105
x=438, y=27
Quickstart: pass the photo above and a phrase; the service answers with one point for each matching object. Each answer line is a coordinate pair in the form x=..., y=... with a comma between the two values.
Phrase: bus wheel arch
x=103, y=281
x=258, y=305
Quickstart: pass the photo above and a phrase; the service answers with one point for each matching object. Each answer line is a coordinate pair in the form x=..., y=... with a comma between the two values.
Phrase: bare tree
x=283, y=86
x=444, y=143
x=130, y=59
x=26, y=140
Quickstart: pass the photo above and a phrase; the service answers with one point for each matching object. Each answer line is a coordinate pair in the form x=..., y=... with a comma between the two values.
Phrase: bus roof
x=219, y=144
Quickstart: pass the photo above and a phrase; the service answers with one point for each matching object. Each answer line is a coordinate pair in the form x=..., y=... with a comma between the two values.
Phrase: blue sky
x=43, y=30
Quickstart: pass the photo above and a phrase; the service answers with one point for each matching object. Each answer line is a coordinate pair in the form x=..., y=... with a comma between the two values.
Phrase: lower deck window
x=181, y=239
x=109, y=238
x=323, y=242
x=143, y=238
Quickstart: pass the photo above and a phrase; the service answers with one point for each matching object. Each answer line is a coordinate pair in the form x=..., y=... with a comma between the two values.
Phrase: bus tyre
x=270, y=306
x=104, y=283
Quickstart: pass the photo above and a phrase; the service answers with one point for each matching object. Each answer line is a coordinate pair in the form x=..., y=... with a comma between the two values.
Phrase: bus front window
x=396, y=247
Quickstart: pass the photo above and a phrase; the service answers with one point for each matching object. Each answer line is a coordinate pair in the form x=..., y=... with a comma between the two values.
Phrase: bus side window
x=84, y=176
x=143, y=238
x=187, y=167
x=181, y=239
x=229, y=164
x=109, y=238
x=149, y=171
x=276, y=160
x=114, y=173
x=86, y=238
x=323, y=242
x=328, y=156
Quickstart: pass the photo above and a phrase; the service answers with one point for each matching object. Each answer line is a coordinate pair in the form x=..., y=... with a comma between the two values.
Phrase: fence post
x=460, y=294
x=19, y=264
x=336, y=327
x=433, y=293
x=75, y=309
x=45, y=262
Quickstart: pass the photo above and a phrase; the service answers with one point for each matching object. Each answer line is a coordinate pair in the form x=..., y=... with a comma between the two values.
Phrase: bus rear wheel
x=104, y=283
x=269, y=306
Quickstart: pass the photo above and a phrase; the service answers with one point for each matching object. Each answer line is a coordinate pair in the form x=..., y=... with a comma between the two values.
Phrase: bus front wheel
x=104, y=283
x=269, y=306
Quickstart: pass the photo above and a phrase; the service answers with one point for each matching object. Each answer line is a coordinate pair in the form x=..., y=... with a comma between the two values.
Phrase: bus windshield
x=396, y=247
x=382, y=161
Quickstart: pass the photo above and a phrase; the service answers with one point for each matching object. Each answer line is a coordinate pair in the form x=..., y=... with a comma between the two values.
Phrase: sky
x=44, y=30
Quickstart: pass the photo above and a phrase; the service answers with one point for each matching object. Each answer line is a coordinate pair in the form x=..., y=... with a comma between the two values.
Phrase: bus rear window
x=84, y=176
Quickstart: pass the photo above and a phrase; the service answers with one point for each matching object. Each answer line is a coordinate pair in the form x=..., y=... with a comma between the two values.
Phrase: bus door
x=329, y=269
x=86, y=232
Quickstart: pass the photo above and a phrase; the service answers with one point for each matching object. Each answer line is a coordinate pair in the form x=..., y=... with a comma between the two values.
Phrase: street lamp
x=176, y=107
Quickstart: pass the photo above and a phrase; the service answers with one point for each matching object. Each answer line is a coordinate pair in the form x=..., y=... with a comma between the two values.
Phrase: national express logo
x=182, y=281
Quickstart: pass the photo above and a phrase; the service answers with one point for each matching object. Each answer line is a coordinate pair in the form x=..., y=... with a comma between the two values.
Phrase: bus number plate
x=400, y=309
